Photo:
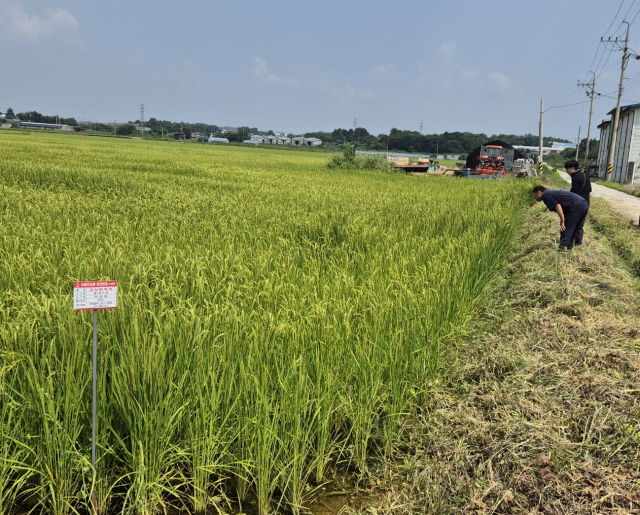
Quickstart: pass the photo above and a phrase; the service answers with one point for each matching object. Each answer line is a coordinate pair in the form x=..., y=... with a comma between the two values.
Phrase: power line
x=595, y=56
x=634, y=18
x=629, y=10
x=566, y=105
x=615, y=17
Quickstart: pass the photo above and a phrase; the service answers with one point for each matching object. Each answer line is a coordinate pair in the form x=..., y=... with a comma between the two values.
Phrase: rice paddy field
x=277, y=321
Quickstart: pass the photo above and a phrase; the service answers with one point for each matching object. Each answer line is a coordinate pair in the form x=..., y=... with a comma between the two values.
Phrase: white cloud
x=447, y=51
x=500, y=80
x=185, y=74
x=468, y=74
x=368, y=95
x=261, y=71
x=343, y=93
x=16, y=24
x=389, y=71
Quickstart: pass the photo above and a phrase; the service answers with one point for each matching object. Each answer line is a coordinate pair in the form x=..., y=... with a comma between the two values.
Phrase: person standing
x=580, y=182
x=572, y=210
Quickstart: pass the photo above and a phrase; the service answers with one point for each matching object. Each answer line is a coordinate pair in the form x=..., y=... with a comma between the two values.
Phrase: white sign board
x=95, y=295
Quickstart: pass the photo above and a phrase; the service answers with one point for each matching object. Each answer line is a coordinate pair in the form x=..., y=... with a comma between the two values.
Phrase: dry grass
x=541, y=411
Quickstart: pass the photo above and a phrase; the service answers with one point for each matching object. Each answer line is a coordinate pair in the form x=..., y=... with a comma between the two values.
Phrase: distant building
x=306, y=142
x=625, y=168
x=179, y=137
x=527, y=149
x=38, y=125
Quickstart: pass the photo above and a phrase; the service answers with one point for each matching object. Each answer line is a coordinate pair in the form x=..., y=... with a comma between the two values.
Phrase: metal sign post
x=94, y=295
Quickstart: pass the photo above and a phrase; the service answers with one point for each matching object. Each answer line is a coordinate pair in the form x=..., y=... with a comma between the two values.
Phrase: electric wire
x=629, y=10
x=615, y=17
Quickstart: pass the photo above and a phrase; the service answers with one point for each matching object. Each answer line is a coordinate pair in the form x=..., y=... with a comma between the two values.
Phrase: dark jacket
x=581, y=184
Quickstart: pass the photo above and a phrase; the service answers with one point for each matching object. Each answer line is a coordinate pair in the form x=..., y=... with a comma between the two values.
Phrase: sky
x=302, y=66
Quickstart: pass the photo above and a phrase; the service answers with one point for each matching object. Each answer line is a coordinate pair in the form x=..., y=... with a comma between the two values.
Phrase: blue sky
x=455, y=65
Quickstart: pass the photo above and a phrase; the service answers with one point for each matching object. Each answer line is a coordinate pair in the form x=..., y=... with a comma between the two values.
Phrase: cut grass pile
x=276, y=319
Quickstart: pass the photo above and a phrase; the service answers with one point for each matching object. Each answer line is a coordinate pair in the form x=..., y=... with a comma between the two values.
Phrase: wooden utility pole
x=540, y=158
x=614, y=133
x=591, y=93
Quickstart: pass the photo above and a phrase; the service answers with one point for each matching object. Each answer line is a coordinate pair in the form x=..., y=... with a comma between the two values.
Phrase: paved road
x=622, y=202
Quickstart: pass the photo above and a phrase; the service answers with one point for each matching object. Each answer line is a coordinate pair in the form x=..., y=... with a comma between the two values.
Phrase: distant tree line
x=35, y=116
x=396, y=140
x=413, y=141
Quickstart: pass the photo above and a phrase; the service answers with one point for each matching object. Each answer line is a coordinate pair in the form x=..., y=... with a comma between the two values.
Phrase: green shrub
x=346, y=161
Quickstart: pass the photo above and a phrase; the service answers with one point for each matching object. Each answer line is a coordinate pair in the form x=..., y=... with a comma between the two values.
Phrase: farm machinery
x=493, y=161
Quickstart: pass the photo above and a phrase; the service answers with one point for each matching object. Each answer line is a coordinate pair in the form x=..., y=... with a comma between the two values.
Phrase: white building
x=627, y=152
x=306, y=142
x=532, y=149
x=38, y=125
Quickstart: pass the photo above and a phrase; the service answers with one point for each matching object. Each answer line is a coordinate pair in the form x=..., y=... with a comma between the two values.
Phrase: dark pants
x=574, y=223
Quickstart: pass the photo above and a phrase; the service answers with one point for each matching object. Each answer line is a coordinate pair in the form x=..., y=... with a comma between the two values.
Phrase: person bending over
x=572, y=210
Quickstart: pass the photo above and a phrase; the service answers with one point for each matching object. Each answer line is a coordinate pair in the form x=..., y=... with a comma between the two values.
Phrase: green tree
x=126, y=129
x=9, y=113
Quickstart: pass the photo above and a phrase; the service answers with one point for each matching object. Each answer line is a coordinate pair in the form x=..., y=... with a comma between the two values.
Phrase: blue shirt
x=569, y=201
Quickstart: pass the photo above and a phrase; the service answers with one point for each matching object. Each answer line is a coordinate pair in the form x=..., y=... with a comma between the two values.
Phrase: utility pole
x=115, y=127
x=591, y=93
x=142, y=120
x=540, y=156
x=578, y=145
x=614, y=133
x=420, y=127
x=355, y=123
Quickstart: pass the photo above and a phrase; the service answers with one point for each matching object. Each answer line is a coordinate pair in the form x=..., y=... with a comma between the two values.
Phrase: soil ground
x=540, y=414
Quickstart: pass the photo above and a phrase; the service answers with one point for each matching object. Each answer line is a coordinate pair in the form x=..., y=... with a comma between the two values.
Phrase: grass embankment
x=277, y=321
x=541, y=414
x=626, y=188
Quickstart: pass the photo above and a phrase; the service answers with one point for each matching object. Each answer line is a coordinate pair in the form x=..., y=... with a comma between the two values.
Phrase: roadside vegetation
x=279, y=323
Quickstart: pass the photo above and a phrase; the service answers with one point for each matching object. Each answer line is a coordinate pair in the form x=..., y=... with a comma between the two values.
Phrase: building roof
x=604, y=124
x=625, y=108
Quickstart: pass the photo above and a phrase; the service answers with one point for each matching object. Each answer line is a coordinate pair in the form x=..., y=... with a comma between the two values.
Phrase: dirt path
x=541, y=415
x=622, y=202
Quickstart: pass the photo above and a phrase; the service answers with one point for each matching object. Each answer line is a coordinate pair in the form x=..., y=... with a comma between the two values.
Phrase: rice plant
x=277, y=319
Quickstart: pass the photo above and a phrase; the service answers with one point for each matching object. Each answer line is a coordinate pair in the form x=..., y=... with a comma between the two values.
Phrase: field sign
x=95, y=295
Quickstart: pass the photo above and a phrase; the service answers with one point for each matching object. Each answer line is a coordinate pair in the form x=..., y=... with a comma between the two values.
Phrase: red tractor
x=490, y=161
